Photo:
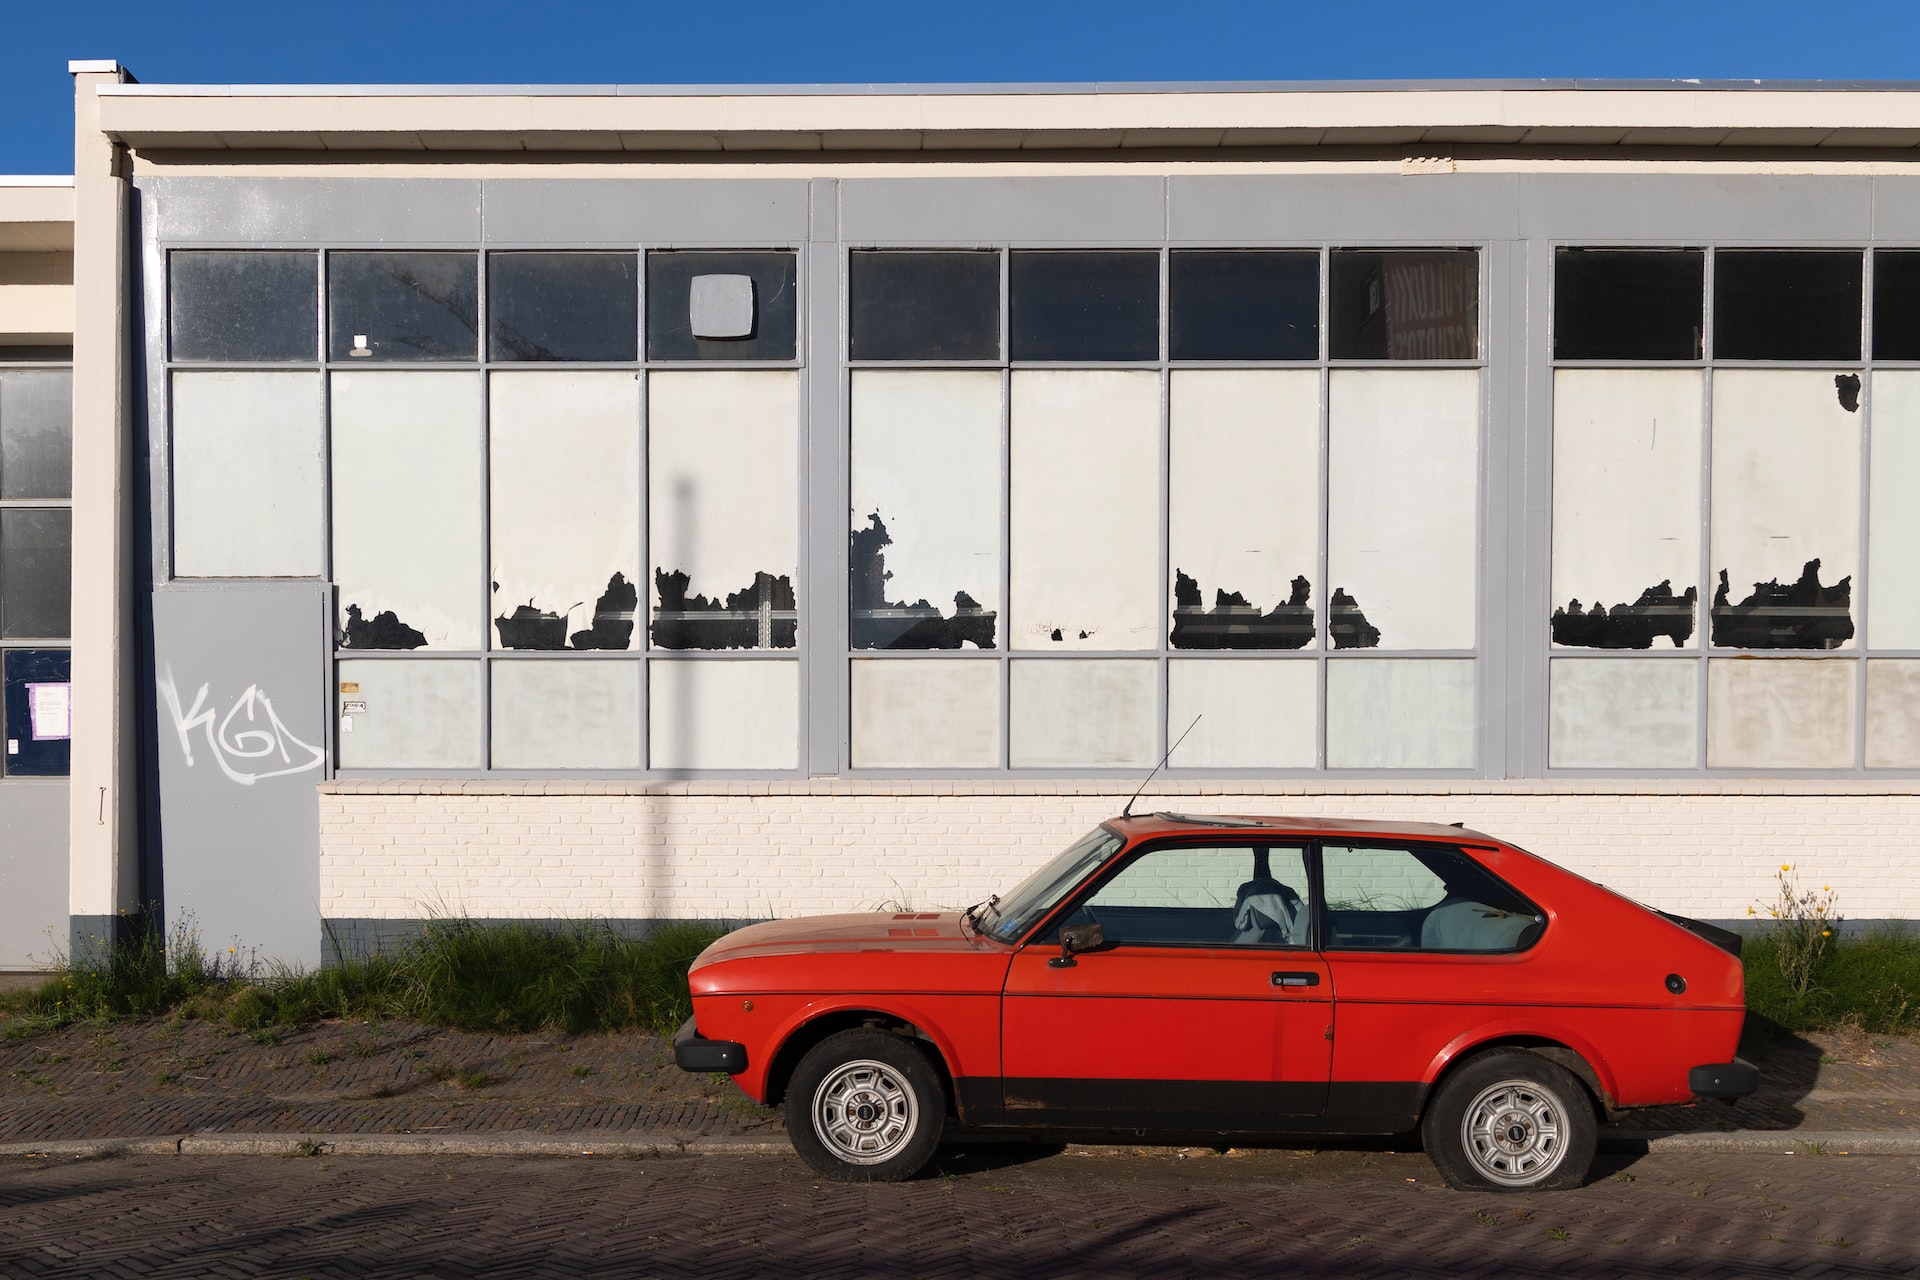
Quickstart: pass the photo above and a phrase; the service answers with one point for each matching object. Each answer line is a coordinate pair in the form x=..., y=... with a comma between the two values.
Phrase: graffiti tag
x=245, y=749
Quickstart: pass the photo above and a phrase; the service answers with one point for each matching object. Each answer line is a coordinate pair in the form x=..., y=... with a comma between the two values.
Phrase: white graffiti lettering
x=240, y=751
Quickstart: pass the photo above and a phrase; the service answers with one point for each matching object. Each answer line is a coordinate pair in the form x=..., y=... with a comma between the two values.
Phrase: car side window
x=1207, y=896
x=1421, y=898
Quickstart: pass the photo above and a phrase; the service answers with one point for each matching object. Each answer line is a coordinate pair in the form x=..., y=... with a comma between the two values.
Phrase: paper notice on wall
x=50, y=710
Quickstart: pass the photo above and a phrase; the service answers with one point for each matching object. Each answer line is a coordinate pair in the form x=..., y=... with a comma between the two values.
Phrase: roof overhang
x=36, y=215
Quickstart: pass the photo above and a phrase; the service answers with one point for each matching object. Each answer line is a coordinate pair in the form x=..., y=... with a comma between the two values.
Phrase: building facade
x=657, y=504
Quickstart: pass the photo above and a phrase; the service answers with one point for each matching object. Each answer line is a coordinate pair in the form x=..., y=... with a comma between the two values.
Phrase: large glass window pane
x=923, y=306
x=403, y=305
x=926, y=713
x=1085, y=541
x=1780, y=713
x=923, y=568
x=1243, y=304
x=1254, y=714
x=1402, y=512
x=1424, y=898
x=1893, y=714
x=1244, y=508
x=37, y=713
x=1896, y=304
x=1772, y=304
x=409, y=713
x=406, y=509
x=566, y=714
x=1628, y=304
x=746, y=306
x=563, y=306
x=723, y=508
x=36, y=433
x=1234, y=896
x=565, y=480
x=1893, y=517
x=248, y=456
x=1626, y=506
x=1610, y=714
x=1404, y=304
x=36, y=573
x=240, y=305
x=1083, y=713
x=1400, y=713
x=1095, y=305
x=1786, y=508
x=723, y=715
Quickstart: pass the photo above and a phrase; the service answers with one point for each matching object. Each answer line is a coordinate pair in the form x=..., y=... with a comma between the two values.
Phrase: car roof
x=1153, y=824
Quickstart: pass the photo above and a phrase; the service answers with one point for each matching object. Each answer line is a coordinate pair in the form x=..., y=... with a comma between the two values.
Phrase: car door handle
x=1296, y=978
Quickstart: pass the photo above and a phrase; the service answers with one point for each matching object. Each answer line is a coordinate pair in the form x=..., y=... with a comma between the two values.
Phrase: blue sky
x=757, y=41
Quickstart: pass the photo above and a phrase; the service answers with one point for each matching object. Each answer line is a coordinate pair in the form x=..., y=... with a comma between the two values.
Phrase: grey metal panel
x=983, y=210
x=743, y=212
x=241, y=694
x=1896, y=209
x=315, y=210
x=1692, y=209
x=825, y=675
x=1343, y=208
x=33, y=871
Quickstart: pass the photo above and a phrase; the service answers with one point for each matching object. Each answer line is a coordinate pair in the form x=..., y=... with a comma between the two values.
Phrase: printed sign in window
x=50, y=710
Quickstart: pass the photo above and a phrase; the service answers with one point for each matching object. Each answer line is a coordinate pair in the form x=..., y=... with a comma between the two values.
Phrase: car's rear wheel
x=1510, y=1120
x=865, y=1106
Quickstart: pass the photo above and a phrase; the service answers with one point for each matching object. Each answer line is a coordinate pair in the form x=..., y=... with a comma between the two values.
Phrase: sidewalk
x=396, y=1087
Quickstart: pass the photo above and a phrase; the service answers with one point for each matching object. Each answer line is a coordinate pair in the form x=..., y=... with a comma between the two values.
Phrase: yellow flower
x=1749, y=910
x=1826, y=933
x=1786, y=866
x=1826, y=888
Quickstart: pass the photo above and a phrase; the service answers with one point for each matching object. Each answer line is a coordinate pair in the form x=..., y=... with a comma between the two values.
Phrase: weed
x=363, y=1047
x=1486, y=1219
x=306, y=1148
x=1559, y=1233
x=1839, y=1242
x=581, y=1070
x=472, y=1079
x=1803, y=921
x=1622, y=1175
x=260, y=1035
x=319, y=1058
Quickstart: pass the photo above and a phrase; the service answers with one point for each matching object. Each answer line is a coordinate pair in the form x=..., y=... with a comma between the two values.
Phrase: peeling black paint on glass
x=252, y=304
x=1236, y=623
x=563, y=306
x=531, y=627
x=670, y=276
x=407, y=305
x=1802, y=614
x=875, y=622
x=1347, y=625
x=1658, y=612
x=761, y=615
x=1847, y=387
x=383, y=631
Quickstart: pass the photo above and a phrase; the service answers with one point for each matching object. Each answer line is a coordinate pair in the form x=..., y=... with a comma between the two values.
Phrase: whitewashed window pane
x=1893, y=519
x=1786, y=508
x=420, y=714
x=1782, y=713
x=924, y=553
x=1085, y=542
x=407, y=552
x=1626, y=507
x=1624, y=715
x=1893, y=710
x=924, y=713
x=1253, y=713
x=248, y=452
x=1244, y=508
x=723, y=715
x=565, y=479
x=1400, y=713
x=566, y=714
x=1402, y=507
x=1083, y=712
x=723, y=508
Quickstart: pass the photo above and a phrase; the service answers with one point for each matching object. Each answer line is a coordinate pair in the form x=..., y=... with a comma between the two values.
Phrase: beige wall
x=36, y=298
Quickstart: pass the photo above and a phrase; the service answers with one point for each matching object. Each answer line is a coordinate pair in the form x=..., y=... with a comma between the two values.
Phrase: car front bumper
x=693, y=1052
x=1728, y=1080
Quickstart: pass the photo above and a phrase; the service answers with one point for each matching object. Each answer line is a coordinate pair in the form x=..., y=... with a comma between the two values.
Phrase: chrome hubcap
x=1513, y=1132
x=864, y=1112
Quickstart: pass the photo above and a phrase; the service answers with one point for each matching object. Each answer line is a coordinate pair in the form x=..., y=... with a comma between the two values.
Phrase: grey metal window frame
x=42, y=644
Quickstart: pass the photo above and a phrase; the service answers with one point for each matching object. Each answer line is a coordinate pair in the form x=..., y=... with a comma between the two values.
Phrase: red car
x=1256, y=977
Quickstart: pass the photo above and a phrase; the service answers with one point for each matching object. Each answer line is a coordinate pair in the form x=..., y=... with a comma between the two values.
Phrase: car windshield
x=1021, y=909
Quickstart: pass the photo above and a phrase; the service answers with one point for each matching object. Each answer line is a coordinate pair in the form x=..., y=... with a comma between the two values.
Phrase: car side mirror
x=1075, y=938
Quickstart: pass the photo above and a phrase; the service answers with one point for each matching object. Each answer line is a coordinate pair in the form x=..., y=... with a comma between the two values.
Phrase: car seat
x=1266, y=912
x=1458, y=924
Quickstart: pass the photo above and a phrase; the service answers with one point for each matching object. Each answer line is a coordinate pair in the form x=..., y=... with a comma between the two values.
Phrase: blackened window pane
x=1628, y=304
x=563, y=306
x=1404, y=304
x=37, y=744
x=36, y=433
x=1099, y=305
x=1244, y=304
x=403, y=306
x=670, y=277
x=36, y=573
x=1896, y=304
x=924, y=306
x=254, y=304
x=1773, y=304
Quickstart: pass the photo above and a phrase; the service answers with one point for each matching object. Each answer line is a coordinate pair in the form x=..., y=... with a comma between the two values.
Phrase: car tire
x=866, y=1106
x=1509, y=1120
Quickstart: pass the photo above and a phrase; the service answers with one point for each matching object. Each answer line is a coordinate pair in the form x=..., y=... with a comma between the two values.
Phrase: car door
x=1199, y=1011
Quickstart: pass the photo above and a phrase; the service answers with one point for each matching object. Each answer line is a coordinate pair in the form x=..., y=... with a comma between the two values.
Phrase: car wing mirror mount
x=1076, y=938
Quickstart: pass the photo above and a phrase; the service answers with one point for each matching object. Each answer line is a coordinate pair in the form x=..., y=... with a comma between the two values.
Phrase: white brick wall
x=620, y=850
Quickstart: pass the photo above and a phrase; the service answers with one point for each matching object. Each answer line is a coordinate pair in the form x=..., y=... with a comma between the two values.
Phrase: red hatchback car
x=1258, y=977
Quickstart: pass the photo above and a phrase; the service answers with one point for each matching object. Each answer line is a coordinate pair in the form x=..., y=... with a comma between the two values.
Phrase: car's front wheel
x=1510, y=1120
x=865, y=1106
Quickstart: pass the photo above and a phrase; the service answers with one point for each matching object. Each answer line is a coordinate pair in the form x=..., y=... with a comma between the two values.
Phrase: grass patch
x=1872, y=982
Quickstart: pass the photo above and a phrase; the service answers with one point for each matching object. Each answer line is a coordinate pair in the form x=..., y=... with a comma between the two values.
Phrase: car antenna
x=1128, y=811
